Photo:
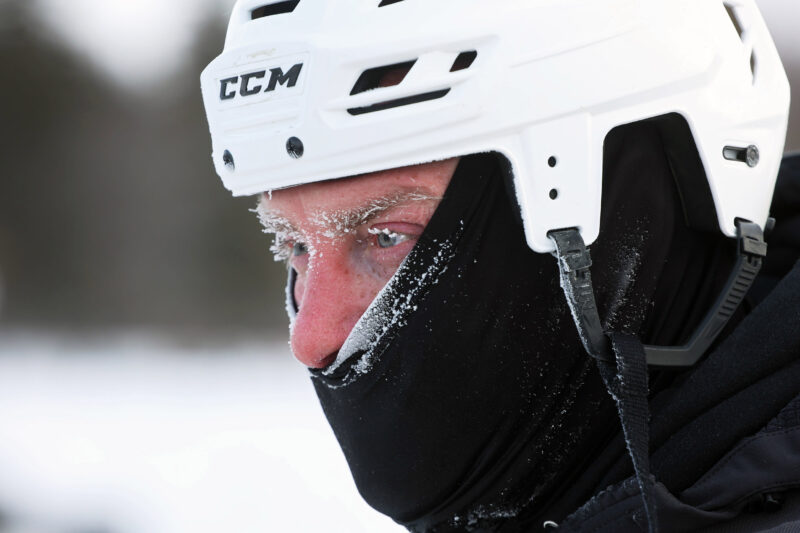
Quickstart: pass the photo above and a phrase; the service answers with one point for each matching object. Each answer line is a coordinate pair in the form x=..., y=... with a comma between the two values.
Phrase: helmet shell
x=549, y=80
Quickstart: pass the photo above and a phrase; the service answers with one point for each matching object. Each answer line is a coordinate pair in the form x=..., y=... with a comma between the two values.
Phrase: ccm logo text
x=248, y=83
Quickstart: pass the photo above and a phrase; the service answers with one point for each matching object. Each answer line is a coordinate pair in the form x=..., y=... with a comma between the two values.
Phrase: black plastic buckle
x=574, y=262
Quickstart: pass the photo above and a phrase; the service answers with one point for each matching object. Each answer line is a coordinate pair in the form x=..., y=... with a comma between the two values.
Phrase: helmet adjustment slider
x=574, y=262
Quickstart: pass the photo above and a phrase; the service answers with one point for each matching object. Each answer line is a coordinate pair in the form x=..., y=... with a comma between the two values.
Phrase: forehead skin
x=300, y=202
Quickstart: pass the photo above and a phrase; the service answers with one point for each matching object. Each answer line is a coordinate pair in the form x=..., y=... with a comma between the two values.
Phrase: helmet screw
x=295, y=148
x=227, y=158
x=753, y=156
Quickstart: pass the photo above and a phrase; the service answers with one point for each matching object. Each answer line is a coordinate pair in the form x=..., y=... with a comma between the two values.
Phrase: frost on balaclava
x=463, y=399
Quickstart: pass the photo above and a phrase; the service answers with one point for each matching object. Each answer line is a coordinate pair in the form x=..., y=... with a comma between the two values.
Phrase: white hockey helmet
x=296, y=96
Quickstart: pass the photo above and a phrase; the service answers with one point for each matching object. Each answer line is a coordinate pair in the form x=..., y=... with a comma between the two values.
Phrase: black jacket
x=737, y=415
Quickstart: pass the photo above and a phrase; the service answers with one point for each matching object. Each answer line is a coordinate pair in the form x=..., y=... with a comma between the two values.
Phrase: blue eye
x=299, y=249
x=388, y=240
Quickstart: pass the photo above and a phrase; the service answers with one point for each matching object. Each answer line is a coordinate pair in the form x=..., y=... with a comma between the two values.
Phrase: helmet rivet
x=295, y=148
x=753, y=156
x=227, y=158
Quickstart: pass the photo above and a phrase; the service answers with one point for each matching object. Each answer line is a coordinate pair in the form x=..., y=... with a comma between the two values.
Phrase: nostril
x=320, y=364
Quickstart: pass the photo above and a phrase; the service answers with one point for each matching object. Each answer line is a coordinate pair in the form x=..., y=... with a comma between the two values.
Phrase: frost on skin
x=335, y=224
x=328, y=224
x=281, y=228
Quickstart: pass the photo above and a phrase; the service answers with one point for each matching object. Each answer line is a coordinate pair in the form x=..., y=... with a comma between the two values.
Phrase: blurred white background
x=128, y=429
x=140, y=434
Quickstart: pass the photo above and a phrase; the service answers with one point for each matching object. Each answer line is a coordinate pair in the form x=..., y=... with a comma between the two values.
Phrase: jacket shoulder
x=755, y=488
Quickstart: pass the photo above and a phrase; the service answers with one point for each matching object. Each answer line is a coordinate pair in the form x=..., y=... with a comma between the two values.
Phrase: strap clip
x=574, y=262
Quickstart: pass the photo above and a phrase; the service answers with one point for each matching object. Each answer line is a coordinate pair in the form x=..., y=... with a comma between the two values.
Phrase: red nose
x=331, y=297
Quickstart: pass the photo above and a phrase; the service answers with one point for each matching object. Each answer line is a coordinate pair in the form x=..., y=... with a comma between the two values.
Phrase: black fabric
x=712, y=438
x=784, y=240
x=715, y=383
x=754, y=487
x=473, y=406
x=752, y=375
x=788, y=418
x=454, y=425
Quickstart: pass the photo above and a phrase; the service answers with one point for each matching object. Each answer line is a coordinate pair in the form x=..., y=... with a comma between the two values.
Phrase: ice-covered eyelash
x=283, y=245
x=280, y=249
x=394, y=238
x=385, y=231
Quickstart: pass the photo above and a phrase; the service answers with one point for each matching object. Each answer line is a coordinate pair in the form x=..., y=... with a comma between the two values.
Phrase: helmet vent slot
x=386, y=76
x=399, y=102
x=388, y=2
x=464, y=61
x=276, y=8
x=734, y=19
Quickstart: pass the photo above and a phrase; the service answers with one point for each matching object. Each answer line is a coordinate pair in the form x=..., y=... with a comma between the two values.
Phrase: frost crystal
x=476, y=519
x=325, y=224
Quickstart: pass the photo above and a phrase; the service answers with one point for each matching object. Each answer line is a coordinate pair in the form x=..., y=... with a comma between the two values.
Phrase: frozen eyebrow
x=280, y=227
x=345, y=221
x=272, y=223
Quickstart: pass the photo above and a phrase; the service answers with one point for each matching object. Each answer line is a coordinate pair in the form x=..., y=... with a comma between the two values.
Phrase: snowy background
x=145, y=381
x=133, y=433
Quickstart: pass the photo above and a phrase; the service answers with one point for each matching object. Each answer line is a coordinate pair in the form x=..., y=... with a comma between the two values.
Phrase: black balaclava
x=463, y=399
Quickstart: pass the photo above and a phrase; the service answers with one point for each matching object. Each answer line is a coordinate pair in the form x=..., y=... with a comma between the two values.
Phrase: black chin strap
x=623, y=361
x=574, y=262
x=626, y=381
x=750, y=255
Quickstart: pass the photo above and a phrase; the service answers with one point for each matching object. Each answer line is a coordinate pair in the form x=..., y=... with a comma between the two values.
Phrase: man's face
x=346, y=238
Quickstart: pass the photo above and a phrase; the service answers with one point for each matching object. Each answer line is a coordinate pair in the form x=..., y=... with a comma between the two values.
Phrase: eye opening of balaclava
x=463, y=399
